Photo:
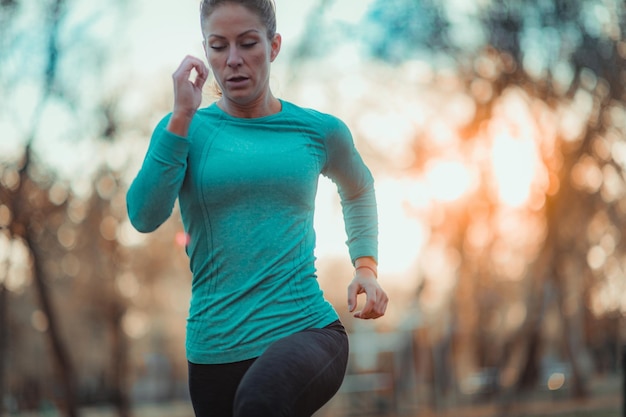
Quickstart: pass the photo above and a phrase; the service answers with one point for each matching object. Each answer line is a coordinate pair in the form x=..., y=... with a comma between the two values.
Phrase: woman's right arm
x=151, y=196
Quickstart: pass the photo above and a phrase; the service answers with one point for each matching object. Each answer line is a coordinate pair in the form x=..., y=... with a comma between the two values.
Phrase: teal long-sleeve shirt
x=246, y=190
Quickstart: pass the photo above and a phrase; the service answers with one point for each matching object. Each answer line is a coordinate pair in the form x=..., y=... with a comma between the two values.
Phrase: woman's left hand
x=375, y=297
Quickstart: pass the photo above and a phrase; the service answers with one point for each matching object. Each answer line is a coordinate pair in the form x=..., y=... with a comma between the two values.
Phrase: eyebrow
x=247, y=32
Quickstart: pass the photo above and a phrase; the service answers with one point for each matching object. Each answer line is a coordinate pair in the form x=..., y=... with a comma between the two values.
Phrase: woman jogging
x=261, y=339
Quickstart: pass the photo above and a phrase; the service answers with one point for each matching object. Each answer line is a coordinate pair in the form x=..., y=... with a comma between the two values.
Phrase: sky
x=162, y=31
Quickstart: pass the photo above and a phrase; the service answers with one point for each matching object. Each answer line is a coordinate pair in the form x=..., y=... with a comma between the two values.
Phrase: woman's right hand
x=187, y=93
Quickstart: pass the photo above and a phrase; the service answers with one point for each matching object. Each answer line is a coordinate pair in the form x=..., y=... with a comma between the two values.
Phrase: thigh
x=296, y=376
x=212, y=387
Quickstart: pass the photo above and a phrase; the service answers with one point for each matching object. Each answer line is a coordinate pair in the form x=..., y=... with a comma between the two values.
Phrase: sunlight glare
x=587, y=175
x=128, y=236
x=135, y=323
x=514, y=166
x=390, y=133
x=574, y=117
x=18, y=274
x=439, y=268
x=448, y=180
x=596, y=257
x=401, y=236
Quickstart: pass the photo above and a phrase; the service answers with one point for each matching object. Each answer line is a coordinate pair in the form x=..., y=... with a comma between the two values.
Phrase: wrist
x=372, y=269
x=179, y=123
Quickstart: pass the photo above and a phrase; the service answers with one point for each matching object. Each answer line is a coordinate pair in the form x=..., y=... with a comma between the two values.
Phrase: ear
x=275, y=45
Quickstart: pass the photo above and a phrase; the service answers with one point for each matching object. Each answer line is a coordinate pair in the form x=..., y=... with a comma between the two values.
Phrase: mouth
x=237, y=79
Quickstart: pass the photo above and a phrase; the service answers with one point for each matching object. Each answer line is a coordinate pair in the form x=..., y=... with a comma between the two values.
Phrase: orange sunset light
x=513, y=162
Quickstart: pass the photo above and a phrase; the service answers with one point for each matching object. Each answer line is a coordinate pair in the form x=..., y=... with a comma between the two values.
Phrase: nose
x=234, y=57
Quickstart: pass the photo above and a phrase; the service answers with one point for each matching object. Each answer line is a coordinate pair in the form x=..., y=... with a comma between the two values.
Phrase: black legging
x=295, y=377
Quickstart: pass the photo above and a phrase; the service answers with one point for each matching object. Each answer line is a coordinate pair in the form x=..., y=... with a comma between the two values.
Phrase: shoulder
x=324, y=122
x=210, y=111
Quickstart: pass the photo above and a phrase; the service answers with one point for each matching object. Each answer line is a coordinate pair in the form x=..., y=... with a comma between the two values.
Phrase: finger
x=202, y=75
x=352, y=297
x=370, y=302
x=380, y=309
x=381, y=306
x=185, y=67
x=188, y=64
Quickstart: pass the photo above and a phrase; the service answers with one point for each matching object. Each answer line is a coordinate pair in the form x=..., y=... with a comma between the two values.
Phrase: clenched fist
x=187, y=93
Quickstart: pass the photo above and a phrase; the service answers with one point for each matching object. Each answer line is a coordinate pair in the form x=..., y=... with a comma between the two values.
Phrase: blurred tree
x=37, y=204
x=546, y=72
x=570, y=56
x=97, y=241
x=3, y=338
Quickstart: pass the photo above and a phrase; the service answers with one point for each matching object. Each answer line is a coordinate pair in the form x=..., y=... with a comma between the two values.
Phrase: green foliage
x=548, y=38
x=398, y=30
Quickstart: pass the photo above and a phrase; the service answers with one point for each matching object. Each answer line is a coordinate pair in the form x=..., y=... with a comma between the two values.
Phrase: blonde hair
x=265, y=9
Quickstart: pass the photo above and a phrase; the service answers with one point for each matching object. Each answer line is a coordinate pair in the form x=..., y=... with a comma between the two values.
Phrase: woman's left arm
x=345, y=167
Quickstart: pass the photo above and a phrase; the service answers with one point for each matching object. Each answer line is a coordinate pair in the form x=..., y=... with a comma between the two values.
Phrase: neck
x=264, y=106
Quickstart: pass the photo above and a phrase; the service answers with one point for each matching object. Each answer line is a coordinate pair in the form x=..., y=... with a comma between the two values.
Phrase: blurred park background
x=496, y=131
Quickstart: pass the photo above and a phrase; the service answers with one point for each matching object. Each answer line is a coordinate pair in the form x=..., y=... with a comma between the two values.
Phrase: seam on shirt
x=324, y=137
x=211, y=281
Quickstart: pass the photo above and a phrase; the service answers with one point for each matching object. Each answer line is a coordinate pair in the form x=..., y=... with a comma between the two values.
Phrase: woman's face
x=239, y=53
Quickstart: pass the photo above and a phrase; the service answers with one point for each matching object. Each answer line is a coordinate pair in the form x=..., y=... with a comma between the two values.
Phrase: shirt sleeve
x=355, y=183
x=152, y=194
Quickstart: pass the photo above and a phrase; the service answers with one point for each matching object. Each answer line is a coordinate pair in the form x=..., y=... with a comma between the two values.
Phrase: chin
x=241, y=99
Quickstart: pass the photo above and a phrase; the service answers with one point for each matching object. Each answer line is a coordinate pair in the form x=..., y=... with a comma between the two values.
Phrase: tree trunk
x=62, y=360
x=530, y=336
x=530, y=368
x=113, y=305
x=119, y=347
x=4, y=299
x=570, y=308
